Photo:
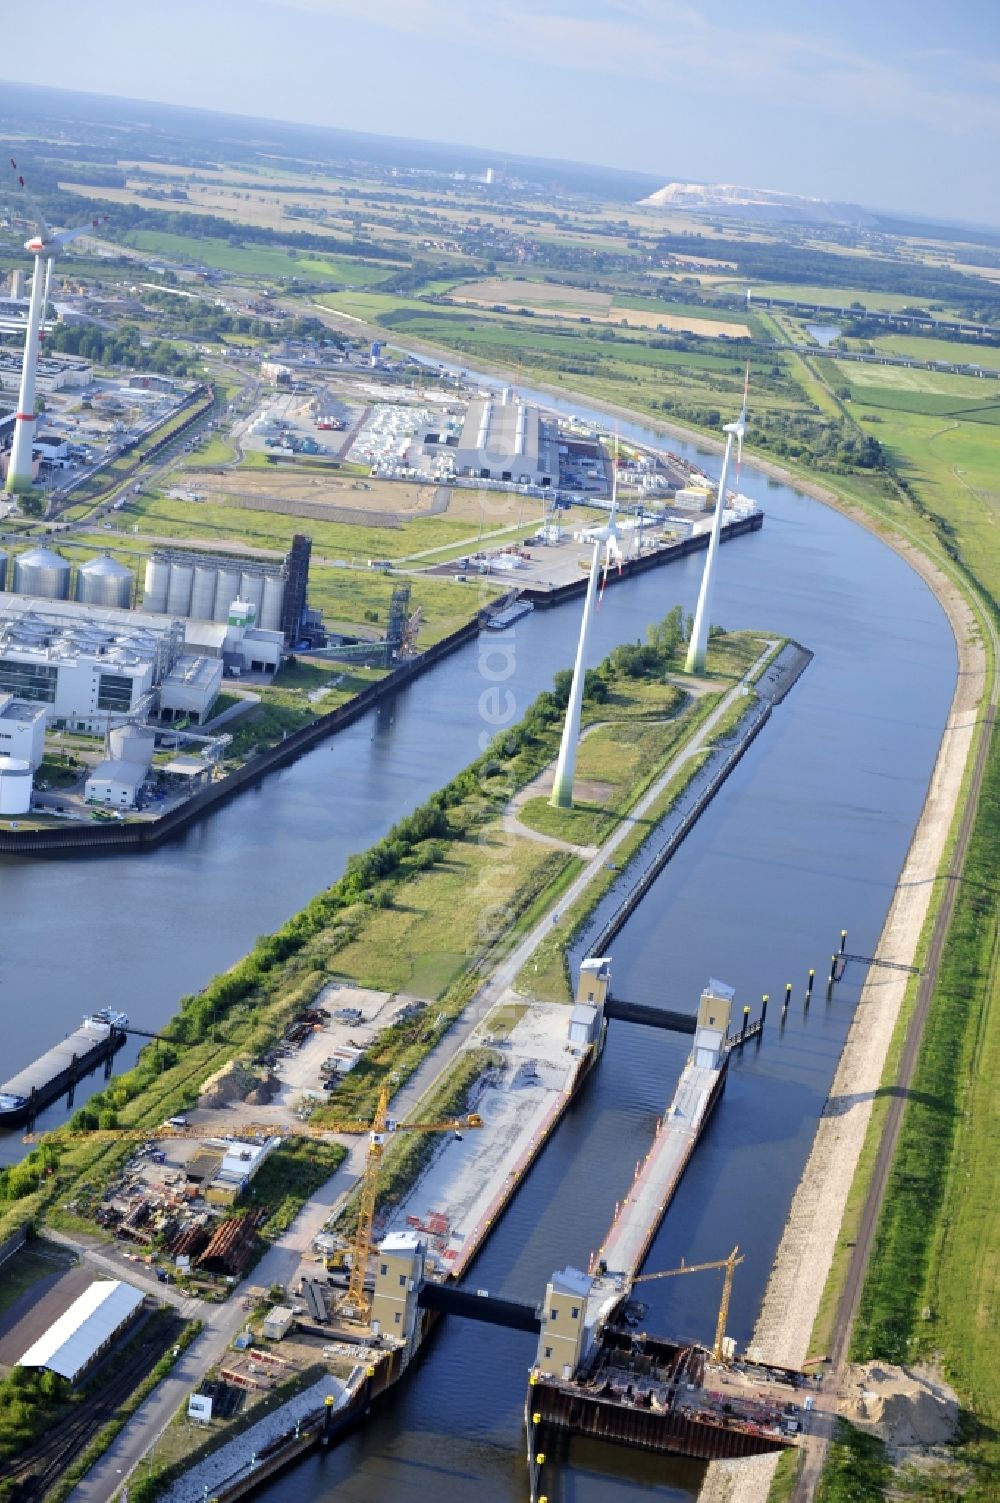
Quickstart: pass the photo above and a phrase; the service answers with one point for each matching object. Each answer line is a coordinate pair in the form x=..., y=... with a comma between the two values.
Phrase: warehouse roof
x=74, y=1340
x=128, y=774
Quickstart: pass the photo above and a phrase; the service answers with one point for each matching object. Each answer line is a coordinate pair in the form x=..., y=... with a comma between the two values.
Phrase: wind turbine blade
x=64, y=237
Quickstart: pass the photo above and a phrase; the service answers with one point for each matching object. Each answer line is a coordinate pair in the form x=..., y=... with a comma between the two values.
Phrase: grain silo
x=179, y=589
x=42, y=572
x=203, y=591
x=132, y=743
x=252, y=590
x=227, y=589
x=270, y=610
x=157, y=583
x=104, y=581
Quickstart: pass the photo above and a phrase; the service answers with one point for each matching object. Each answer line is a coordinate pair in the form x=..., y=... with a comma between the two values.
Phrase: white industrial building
x=87, y=663
x=55, y=372
x=22, y=730
x=73, y=1343
x=240, y=1163
x=115, y=783
x=507, y=441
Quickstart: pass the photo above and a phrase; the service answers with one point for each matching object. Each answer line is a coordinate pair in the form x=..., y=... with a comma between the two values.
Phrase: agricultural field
x=549, y=295
x=555, y=301
x=950, y=456
x=917, y=347
x=258, y=260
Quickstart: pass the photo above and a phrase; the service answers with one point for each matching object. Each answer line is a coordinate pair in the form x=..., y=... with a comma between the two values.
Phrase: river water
x=806, y=838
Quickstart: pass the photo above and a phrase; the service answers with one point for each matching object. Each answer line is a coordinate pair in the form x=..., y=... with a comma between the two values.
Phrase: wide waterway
x=807, y=837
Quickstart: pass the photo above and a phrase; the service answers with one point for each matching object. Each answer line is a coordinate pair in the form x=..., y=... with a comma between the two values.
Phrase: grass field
x=258, y=260
x=441, y=920
x=916, y=347
x=953, y=463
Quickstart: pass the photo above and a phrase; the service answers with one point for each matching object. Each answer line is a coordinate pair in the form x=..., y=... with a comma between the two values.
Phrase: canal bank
x=810, y=836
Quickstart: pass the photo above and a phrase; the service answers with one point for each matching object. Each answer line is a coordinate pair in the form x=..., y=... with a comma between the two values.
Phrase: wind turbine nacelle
x=37, y=246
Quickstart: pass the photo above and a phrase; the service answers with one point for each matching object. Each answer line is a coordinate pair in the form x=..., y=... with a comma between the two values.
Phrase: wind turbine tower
x=699, y=635
x=44, y=245
x=605, y=541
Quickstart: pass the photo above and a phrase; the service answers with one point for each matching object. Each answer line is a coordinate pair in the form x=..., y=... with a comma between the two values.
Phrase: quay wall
x=108, y=839
x=777, y=681
x=147, y=835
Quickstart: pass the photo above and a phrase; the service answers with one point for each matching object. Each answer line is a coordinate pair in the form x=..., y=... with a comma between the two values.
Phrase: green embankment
x=427, y=864
x=933, y=1286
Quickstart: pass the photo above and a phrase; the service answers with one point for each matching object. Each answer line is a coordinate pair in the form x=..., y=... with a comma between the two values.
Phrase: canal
x=806, y=838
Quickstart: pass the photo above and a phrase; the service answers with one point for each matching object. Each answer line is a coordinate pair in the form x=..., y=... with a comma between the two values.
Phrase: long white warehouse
x=74, y=1342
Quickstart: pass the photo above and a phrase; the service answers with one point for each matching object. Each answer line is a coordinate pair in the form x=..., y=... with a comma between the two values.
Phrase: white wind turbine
x=698, y=645
x=605, y=544
x=44, y=245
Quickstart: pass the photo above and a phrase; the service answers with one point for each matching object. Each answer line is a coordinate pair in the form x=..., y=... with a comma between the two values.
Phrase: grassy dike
x=411, y=876
x=931, y=1292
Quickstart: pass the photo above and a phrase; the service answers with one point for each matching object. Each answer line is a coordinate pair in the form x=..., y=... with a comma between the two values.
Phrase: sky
x=894, y=104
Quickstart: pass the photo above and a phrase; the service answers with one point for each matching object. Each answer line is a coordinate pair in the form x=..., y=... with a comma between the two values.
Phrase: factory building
x=55, y=372
x=86, y=665
x=507, y=441
x=22, y=730
x=73, y=1343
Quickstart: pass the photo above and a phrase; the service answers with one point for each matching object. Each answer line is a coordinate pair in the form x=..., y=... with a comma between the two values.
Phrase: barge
x=97, y=1040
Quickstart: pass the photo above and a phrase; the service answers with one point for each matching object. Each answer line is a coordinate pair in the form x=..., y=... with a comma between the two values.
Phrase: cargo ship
x=97, y=1040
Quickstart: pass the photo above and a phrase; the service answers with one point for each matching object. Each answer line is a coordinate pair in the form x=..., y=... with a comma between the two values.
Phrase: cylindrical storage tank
x=133, y=743
x=252, y=590
x=154, y=596
x=227, y=589
x=270, y=610
x=179, y=589
x=203, y=591
x=15, y=786
x=3, y=571
x=42, y=572
x=104, y=581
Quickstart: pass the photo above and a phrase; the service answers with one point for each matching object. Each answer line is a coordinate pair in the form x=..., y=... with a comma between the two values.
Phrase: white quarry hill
x=755, y=203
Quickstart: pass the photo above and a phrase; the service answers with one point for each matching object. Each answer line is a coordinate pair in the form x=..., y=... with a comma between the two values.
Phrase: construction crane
x=730, y=1264
x=379, y=1130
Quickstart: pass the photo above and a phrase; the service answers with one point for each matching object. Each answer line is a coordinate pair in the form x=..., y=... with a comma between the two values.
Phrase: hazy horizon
x=829, y=106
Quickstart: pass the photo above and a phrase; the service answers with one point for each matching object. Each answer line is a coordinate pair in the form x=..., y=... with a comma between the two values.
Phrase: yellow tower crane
x=730, y=1264
x=379, y=1130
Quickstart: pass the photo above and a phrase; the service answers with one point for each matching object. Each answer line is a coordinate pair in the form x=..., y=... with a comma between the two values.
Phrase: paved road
x=280, y=1263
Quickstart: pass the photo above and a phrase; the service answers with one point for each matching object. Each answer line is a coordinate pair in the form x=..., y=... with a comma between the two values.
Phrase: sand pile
x=902, y=1406
x=233, y=1082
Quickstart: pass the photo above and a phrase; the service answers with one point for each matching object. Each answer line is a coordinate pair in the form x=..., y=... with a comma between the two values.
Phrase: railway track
x=40, y=1467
